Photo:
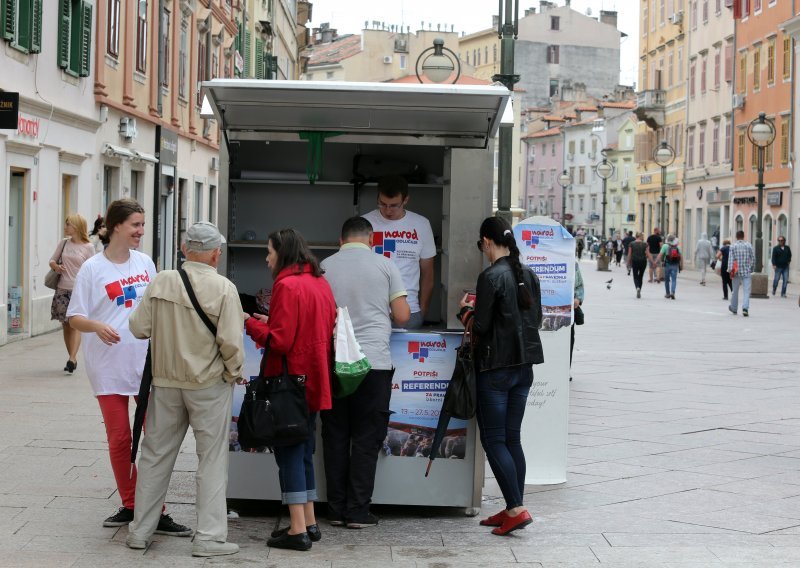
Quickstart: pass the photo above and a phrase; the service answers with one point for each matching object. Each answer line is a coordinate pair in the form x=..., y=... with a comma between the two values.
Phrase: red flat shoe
x=513, y=523
x=496, y=520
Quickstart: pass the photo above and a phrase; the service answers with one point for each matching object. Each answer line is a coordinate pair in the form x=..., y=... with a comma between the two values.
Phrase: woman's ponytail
x=499, y=231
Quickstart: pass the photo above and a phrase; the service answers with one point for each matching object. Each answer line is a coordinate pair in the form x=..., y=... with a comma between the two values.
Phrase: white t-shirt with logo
x=109, y=292
x=406, y=241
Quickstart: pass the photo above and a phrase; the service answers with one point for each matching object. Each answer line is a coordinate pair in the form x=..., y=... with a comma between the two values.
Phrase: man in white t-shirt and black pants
x=407, y=239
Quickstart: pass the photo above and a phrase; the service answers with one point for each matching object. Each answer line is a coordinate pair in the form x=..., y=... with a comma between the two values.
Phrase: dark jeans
x=638, y=272
x=670, y=277
x=502, y=396
x=780, y=272
x=352, y=435
x=296, y=468
x=726, y=282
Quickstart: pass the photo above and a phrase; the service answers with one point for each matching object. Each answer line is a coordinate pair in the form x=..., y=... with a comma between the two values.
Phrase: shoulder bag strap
x=185, y=277
x=61, y=254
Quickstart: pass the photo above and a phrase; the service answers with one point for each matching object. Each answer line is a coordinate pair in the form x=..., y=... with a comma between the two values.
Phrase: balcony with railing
x=650, y=107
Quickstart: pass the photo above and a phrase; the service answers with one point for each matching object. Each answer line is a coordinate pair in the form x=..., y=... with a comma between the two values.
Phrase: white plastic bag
x=350, y=363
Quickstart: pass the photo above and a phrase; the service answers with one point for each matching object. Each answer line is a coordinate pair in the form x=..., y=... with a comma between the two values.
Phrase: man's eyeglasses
x=389, y=206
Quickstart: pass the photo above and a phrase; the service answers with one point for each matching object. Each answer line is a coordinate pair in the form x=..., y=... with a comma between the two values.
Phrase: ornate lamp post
x=438, y=63
x=761, y=133
x=604, y=170
x=664, y=156
x=564, y=181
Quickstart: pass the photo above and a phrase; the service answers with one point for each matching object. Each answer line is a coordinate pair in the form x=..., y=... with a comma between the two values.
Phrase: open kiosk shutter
x=458, y=116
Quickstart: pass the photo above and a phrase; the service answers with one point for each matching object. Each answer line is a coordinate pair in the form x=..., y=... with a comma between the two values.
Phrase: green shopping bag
x=350, y=363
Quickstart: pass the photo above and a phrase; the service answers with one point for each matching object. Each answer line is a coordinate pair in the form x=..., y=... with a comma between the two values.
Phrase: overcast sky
x=348, y=16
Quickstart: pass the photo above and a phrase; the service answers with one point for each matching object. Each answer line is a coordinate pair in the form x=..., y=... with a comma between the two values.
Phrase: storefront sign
x=168, y=147
x=744, y=200
x=646, y=179
x=9, y=110
x=28, y=127
x=775, y=198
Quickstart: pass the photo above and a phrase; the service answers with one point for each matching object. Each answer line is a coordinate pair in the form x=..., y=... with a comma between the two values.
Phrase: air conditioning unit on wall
x=214, y=163
x=738, y=101
x=387, y=58
x=676, y=18
x=127, y=127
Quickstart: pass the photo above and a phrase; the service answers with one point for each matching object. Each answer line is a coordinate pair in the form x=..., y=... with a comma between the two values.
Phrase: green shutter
x=23, y=41
x=259, y=59
x=36, y=41
x=86, y=41
x=9, y=19
x=247, y=54
x=64, y=17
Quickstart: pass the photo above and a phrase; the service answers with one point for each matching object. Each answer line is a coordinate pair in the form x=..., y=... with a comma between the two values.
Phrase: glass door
x=14, y=252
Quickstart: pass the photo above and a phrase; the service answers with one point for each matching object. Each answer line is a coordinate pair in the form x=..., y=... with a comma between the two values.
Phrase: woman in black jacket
x=506, y=317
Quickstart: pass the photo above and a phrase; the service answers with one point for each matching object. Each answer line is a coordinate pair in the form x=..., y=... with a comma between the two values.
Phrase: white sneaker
x=213, y=548
x=135, y=542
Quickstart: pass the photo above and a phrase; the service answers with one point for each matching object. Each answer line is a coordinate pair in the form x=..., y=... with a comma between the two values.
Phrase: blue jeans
x=296, y=468
x=671, y=277
x=780, y=272
x=745, y=282
x=502, y=396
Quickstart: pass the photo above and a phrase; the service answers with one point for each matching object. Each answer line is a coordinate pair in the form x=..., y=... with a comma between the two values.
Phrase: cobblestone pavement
x=684, y=451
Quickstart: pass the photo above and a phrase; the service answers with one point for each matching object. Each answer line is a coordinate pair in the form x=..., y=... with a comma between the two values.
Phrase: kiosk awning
x=460, y=116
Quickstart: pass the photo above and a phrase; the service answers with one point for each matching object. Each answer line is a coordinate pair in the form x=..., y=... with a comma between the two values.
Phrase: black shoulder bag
x=460, y=400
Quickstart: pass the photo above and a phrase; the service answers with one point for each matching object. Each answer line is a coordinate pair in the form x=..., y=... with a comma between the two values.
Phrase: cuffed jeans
x=745, y=282
x=296, y=468
x=502, y=396
x=670, y=278
x=353, y=432
x=780, y=272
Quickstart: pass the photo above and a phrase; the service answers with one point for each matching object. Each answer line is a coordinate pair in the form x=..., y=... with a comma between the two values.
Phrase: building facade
x=763, y=84
x=621, y=206
x=708, y=178
x=49, y=162
x=792, y=29
x=661, y=109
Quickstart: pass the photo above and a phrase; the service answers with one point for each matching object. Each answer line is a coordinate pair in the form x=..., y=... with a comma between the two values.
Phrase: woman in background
x=67, y=259
x=506, y=314
x=722, y=255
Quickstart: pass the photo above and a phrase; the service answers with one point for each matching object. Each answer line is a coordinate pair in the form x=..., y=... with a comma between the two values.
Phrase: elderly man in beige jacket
x=193, y=377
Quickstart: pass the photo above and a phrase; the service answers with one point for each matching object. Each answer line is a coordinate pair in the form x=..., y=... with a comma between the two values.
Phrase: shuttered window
x=248, y=54
x=75, y=37
x=21, y=24
x=260, y=70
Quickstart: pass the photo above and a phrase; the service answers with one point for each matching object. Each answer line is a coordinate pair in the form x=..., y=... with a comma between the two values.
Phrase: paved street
x=684, y=450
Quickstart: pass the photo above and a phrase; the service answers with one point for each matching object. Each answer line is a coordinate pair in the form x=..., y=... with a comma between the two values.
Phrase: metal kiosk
x=290, y=157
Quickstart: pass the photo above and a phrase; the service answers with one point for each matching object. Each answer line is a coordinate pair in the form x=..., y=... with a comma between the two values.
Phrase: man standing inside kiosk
x=407, y=239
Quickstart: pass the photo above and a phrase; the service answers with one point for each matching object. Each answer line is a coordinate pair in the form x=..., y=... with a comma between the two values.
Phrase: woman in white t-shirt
x=67, y=259
x=108, y=288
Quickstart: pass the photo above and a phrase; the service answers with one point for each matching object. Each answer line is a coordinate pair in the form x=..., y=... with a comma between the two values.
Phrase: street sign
x=9, y=110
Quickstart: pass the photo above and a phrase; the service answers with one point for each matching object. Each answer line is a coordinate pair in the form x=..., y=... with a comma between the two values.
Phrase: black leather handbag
x=274, y=411
x=460, y=400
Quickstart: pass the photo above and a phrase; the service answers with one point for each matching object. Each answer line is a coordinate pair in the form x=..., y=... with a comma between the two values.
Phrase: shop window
x=21, y=24
x=75, y=37
x=783, y=226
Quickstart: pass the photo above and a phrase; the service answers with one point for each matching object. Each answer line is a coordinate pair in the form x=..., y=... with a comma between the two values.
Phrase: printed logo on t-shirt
x=123, y=291
x=385, y=242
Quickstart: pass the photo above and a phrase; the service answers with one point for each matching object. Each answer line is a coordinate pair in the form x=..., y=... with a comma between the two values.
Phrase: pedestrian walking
x=299, y=331
x=654, y=242
x=741, y=259
x=67, y=259
x=577, y=302
x=637, y=260
x=781, y=258
x=672, y=258
x=507, y=314
x=193, y=376
x=371, y=287
x=703, y=253
x=626, y=243
x=619, y=248
x=722, y=257
x=109, y=286
x=579, y=247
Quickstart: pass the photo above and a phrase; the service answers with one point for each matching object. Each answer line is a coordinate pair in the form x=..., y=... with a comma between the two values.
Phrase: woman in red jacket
x=300, y=327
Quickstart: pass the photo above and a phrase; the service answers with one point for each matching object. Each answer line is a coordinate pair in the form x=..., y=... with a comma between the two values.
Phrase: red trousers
x=118, y=431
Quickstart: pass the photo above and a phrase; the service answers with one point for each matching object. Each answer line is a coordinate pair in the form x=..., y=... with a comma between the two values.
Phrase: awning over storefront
x=145, y=157
x=459, y=116
x=113, y=151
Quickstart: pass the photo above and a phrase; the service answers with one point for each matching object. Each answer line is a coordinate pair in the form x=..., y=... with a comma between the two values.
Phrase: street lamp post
x=604, y=170
x=761, y=133
x=564, y=181
x=664, y=156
